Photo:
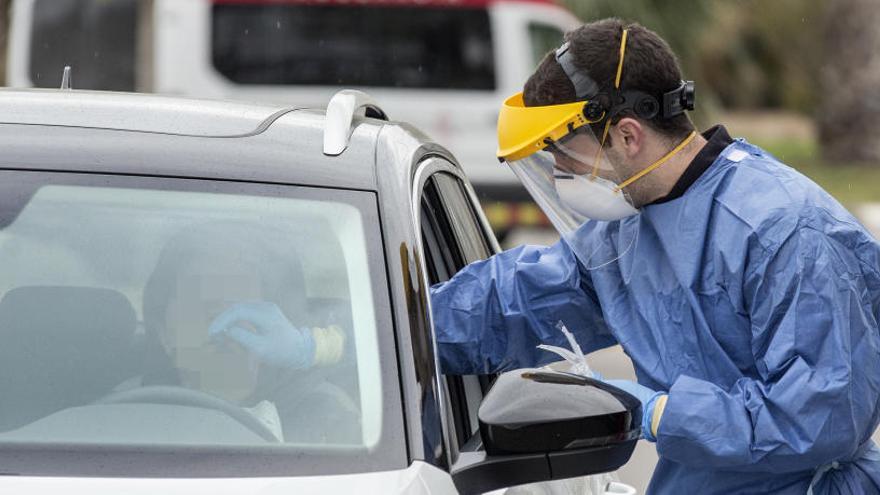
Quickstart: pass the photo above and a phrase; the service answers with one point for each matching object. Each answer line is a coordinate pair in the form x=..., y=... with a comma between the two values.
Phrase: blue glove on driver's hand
x=262, y=329
x=647, y=397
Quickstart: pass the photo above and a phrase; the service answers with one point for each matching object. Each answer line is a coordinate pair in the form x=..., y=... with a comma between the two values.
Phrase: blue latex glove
x=647, y=397
x=273, y=340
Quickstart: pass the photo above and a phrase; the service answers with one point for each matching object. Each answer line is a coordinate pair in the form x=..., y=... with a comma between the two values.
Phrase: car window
x=544, y=38
x=96, y=38
x=353, y=45
x=438, y=237
x=109, y=288
x=466, y=229
x=452, y=238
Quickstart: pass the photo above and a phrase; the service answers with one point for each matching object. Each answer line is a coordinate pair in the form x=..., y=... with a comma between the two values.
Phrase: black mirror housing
x=531, y=410
x=538, y=425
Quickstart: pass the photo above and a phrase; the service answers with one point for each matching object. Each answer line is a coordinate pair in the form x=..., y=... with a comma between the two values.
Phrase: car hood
x=419, y=478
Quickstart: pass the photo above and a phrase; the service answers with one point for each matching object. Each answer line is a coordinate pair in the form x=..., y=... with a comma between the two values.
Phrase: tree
x=4, y=29
x=849, y=114
x=747, y=54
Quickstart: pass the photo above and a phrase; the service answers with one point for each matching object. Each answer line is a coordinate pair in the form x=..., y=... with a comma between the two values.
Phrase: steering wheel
x=180, y=396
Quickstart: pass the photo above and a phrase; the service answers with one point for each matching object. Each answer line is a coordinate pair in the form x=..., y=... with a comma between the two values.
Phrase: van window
x=95, y=37
x=353, y=45
x=544, y=38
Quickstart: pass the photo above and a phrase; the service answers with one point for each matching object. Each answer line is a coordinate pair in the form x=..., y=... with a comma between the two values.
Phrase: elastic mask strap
x=601, y=147
x=659, y=162
x=620, y=62
x=616, y=86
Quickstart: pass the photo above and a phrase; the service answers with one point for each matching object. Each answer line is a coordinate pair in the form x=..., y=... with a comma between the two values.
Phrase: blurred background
x=798, y=77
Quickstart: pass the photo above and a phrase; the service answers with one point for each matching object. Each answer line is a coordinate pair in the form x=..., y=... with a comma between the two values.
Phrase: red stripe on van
x=383, y=3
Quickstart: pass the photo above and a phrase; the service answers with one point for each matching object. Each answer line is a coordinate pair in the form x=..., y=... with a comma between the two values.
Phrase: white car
x=129, y=222
x=444, y=66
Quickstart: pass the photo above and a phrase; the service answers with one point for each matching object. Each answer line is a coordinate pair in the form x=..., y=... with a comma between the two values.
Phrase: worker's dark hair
x=649, y=66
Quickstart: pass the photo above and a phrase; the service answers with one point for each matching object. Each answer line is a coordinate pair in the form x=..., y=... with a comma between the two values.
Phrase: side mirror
x=540, y=425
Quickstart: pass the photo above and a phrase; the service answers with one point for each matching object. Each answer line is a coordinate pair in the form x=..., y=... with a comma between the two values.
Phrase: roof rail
x=340, y=114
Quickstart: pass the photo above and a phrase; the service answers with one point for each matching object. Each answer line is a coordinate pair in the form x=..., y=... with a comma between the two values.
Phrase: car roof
x=109, y=132
x=134, y=112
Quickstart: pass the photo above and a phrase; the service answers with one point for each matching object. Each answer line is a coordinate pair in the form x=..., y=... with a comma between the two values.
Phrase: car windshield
x=108, y=288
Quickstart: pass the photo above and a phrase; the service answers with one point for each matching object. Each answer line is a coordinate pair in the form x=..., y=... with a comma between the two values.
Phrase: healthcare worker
x=747, y=297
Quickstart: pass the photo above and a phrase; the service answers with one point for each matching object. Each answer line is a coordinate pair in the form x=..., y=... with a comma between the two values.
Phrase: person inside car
x=221, y=301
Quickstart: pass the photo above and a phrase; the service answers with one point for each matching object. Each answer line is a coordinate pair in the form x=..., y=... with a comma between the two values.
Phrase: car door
x=454, y=233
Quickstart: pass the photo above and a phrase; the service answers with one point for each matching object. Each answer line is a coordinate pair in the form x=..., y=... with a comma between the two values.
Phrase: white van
x=443, y=65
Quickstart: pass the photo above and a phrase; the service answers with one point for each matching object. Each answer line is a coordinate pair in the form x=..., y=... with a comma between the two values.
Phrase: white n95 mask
x=593, y=197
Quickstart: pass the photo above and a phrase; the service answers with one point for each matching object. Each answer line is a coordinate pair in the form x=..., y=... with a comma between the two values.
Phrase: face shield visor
x=563, y=166
x=573, y=182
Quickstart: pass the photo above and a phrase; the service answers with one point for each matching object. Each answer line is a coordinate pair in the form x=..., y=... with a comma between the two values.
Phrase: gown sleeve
x=814, y=337
x=492, y=314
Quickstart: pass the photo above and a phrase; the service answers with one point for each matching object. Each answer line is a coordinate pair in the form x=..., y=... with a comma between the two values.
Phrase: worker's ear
x=630, y=134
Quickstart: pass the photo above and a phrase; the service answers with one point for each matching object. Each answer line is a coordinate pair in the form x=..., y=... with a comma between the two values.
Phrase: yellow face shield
x=525, y=130
x=561, y=162
x=553, y=151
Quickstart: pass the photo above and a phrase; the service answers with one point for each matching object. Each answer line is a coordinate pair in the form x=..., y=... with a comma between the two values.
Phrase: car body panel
x=267, y=145
x=418, y=379
x=418, y=479
x=139, y=113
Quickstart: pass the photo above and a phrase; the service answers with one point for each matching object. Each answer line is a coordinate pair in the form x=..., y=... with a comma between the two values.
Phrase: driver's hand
x=262, y=329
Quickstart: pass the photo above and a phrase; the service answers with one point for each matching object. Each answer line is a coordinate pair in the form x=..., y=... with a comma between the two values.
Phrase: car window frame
x=55, y=459
x=460, y=395
x=474, y=244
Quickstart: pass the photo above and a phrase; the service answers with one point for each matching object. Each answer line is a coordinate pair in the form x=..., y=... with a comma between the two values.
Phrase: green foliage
x=743, y=54
x=4, y=22
x=849, y=183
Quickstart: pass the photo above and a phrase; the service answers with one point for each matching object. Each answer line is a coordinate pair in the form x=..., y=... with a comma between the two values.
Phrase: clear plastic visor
x=575, y=185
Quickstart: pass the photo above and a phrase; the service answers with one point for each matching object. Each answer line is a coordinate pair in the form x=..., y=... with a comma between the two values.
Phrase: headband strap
x=670, y=104
x=584, y=86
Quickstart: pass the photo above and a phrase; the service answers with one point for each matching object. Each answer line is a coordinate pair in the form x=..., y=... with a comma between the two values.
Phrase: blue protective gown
x=753, y=300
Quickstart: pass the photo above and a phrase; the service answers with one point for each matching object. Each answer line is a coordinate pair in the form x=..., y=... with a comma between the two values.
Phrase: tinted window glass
x=466, y=227
x=96, y=38
x=444, y=259
x=409, y=47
